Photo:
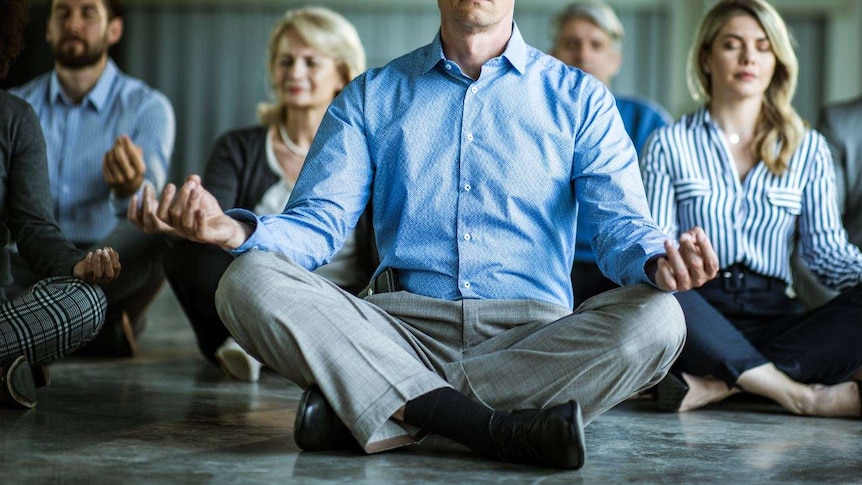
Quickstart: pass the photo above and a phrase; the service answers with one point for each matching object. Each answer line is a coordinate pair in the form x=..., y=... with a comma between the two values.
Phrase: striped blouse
x=691, y=180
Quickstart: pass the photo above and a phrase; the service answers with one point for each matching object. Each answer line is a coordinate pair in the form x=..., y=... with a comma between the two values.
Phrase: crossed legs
x=370, y=357
x=805, y=363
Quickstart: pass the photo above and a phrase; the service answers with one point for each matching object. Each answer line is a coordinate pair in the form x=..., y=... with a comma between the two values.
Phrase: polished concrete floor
x=167, y=416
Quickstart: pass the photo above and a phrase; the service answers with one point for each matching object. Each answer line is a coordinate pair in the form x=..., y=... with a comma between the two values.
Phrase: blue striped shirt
x=692, y=180
x=474, y=184
x=79, y=135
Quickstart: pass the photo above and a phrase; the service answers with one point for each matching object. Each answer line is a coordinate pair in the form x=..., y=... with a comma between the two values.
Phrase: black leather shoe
x=115, y=339
x=41, y=375
x=670, y=392
x=552, y=437
x=317, y=427
x=16, y=384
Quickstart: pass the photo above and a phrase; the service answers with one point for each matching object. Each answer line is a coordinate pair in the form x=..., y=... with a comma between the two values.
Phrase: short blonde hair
x=779, y=125
x=326, y=32
x=597, y=13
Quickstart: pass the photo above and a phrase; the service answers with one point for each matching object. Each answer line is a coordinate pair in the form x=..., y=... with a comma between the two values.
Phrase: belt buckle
x=734, y=280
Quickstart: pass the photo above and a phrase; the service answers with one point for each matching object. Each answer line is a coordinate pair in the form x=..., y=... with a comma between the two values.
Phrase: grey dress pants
x=369, y=357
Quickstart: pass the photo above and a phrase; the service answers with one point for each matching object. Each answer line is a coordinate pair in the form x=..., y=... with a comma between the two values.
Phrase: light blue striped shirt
x=691, y=180
x=474, y=184
x=78, y=136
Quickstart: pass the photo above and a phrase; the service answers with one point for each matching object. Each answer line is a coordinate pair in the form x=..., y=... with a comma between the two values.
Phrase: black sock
x=453, y=415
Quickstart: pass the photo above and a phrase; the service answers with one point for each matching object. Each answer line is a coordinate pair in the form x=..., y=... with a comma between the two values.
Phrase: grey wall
x=207, y=56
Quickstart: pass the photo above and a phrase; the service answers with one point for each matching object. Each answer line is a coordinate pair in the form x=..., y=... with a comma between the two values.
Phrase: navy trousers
x=742, y=320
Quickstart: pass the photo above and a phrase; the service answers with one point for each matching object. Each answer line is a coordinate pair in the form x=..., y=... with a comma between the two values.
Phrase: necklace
x=289, y=143
x=733, y=138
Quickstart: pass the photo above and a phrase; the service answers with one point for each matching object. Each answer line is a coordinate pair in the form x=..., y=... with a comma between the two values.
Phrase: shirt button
x=467, y=187
x=467, y=236
x=473, y=89
x=469, y=137
x=466, y=284
x=448, y=67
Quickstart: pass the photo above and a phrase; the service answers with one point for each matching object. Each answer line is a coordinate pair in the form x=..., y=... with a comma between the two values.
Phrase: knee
x=243, y=288
x=85, y=303
x=670, y=314
x=659, y=330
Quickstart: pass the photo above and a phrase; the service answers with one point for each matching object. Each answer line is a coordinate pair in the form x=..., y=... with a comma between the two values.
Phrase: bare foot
x=837, y=401
x=703, y=391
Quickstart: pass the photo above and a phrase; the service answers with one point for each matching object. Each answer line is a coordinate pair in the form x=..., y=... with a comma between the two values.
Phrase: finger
x=109, y=170
x=677, y=265
x=692, y=258
x=148, y=208
x=113, y=259
x=106, y=265
x=115, y=263
x=192, y=208
x=136, y=156
x=201, y=225
x=123, y=164
x=165, y=203
x=178, y=207
x=664, y=275
x=87, y=273
x=97, y=266
x=132, y=211
x=710, y=258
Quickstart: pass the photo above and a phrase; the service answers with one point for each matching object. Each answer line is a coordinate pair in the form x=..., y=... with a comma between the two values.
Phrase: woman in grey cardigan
x=65, y=310
x=313, y=53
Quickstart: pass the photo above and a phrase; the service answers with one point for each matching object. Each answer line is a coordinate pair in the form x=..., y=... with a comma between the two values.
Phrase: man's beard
x=74, y=60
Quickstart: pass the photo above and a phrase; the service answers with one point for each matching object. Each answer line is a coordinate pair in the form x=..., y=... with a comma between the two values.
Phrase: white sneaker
x=237, y=363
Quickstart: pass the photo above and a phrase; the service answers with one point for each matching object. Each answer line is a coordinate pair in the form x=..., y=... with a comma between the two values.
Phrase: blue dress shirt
x=641, y=117
x=79, y=135
x=691, y=179
x=474, y=183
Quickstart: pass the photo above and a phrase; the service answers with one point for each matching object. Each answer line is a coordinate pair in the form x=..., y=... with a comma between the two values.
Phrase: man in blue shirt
x=107, y=136
x=474, y=151
x=588, y=35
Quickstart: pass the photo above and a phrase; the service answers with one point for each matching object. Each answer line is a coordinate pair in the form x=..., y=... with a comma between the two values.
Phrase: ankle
x=803, y=401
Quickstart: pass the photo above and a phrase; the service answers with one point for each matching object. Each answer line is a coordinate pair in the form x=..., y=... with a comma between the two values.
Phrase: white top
x=344, y=269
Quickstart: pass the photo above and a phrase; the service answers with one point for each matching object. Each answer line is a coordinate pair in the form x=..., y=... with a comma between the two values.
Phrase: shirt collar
x=702, y=116
x=97, y=97
x=515, y=53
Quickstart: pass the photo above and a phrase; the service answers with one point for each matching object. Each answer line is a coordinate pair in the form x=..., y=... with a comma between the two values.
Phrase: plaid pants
x=51, y=320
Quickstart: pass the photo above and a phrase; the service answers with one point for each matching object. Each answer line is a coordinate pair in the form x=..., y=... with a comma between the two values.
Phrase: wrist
x=239, y=236
x=651, y=267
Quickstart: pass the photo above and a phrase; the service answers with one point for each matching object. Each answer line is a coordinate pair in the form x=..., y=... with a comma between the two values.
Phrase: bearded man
x=108, y=135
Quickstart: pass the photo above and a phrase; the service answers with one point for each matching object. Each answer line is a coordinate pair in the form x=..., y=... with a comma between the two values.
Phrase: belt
x=385, y=282
x=738, y=278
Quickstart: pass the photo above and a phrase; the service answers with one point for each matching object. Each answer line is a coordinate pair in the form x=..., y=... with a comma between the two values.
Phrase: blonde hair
x=324, y=31
x=779, y=125
x=597, y=13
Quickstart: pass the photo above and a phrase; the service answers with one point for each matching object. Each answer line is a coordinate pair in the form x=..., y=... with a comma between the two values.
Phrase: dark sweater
x=238, y=175
x=25, y=199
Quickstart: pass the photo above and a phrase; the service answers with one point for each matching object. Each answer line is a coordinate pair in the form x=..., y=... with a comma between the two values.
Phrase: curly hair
x=13, y=22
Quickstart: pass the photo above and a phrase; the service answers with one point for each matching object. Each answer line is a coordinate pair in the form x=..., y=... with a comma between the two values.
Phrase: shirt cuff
x=119, y=205
x=646, y=277
x=247, y=217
